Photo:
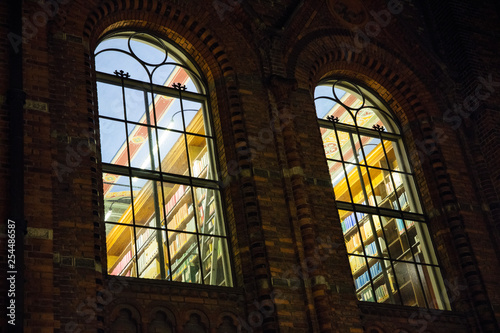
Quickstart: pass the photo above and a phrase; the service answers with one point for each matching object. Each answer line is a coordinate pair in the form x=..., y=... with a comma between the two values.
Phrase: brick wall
x=262, y=61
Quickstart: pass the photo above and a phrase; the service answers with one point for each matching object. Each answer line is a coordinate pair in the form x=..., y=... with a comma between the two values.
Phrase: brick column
x=282, y=89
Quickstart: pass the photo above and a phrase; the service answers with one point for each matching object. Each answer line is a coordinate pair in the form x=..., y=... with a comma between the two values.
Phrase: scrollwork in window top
x=146, y=58
x=351, y=104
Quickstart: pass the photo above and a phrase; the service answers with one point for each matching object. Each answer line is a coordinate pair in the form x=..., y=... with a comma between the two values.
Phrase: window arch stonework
x=215, y=60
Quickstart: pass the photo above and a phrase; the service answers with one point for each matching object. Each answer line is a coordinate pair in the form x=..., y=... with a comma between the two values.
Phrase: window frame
x=419, y=217
x=184, y=61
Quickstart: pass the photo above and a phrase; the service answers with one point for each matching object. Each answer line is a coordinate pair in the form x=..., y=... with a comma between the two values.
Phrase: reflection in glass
x=121, y=257
x=155, y=144
x=113, y=142
x=151, y=253
x=213, y=250
x=392, y=259
x=184, y=254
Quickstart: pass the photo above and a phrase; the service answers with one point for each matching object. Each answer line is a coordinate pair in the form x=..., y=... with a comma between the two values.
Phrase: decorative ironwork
x=122, y=74
x=374, y=190
x=179, y=86
x=185, y=231
x=333, y=119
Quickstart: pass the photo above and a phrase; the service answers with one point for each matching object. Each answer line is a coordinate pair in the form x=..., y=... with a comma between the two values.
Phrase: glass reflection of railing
x=119, y=201
x=172, y=123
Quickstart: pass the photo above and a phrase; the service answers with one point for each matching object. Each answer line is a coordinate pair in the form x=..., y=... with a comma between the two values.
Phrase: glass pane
x=365, y=227
x=397, y=149
x=409, y=285
x=371, y=151
x=366, y=294
x=409, y=201
x=340, y=186
x=345, y=115
x=418, y=236
x=396, y=240
x=120, y=250
x=352, y=236
x=193, y=116
x=359, y=271
x=215, y=261
x=111, y=61
x=176, y=196
x=115, y=43
x=330, y=143
x=151, y=253
x=179, y=208
x=385, y=285
x=199, y=157
x=168, y=74
x=113, y=142
x=367, y=117
x=142, y=147
x=433, y=286
x=375, y=244
x=379, y=191
x=323, y=105
x=110, y=100
x=403, y=203
x=194, y=84
x=351, y=150
x=344, y=216
x=184, y=257
x=151, y=52
x=135, y=106
x=353, y=241
x=398, y=179
x=117, y=198
x=355, y=184
x=167, y=112
x=380, y=280
x=368, y=186
x=146, y=198
x=323, y=90
x=391, y=155
x=173, y=152
x=208, y=212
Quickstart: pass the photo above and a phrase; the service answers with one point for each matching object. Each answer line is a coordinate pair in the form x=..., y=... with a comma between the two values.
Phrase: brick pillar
x=320, y=307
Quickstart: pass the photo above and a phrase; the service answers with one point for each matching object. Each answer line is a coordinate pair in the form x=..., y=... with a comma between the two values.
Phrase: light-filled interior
x=162, y=205
x=389, y=250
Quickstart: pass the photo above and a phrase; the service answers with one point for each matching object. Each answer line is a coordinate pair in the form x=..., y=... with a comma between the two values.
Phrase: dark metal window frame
x=397, y=139
x=180, y=93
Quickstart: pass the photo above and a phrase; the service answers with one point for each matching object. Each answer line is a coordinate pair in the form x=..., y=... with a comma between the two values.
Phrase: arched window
x=389, y=250
x=161, y=197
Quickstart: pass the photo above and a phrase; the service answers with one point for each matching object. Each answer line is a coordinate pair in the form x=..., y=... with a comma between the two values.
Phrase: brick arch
x=134, y=314
x=209, y=53
x=226, y=314
x=171, y=316
x=201, y=313
x=322, y=45
x=397, y=92
x=155, y=16
x=413, y=105
x=414, y=101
